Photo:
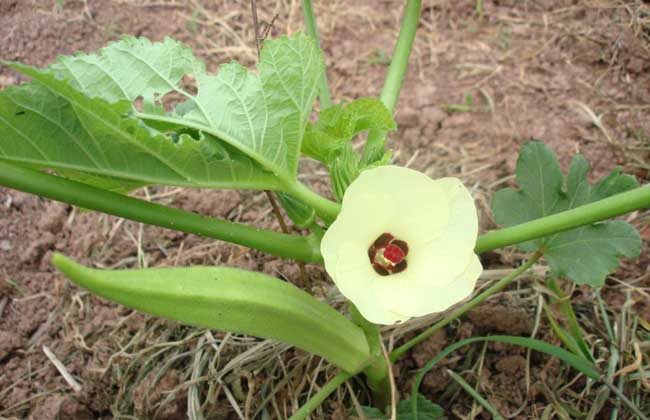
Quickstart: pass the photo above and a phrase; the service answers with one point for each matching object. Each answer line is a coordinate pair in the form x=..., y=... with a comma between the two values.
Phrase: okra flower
x=403, y=244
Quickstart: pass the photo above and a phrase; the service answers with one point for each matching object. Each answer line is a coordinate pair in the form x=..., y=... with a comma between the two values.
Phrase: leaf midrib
x=197, y=125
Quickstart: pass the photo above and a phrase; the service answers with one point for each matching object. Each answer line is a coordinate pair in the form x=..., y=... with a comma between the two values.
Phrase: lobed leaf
x=130, y=68
x=241, y=130
x=91, y=140
x=587, y=254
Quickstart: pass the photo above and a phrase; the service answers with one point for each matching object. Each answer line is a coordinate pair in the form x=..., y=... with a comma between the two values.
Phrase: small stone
x=5, y=246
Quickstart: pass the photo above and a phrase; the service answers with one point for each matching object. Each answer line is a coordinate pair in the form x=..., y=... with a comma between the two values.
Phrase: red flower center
x=394, y=254
x=388, y=255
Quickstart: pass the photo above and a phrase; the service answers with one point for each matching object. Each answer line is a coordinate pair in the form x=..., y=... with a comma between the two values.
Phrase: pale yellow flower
x=403, y=244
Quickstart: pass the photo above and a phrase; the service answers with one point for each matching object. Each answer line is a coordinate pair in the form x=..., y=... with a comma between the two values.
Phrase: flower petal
x=416, y=290
x=425, y=291
x=457, y=240
x=464, y=284
x=418, y=204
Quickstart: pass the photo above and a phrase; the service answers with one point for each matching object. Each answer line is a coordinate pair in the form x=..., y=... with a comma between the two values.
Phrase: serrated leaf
x=587, y=254
x=89, y=139
x=130, y=68
x=336, y=126
x=426, y=409
x=254, y=123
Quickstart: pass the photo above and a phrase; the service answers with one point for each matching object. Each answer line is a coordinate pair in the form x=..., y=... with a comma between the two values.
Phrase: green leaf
x=92, y=141
x=371, y=413
x=249, y=126
x=587, y=254
x=426, y=409
x=336, y=126
x=233, y=300
x=474, y=394
x=130, y=68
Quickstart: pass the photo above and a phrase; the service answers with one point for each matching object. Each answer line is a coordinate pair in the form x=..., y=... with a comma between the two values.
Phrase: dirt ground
x=575, y=74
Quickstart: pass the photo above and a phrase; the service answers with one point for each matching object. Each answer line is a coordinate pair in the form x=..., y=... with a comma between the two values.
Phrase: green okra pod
x=232, y=300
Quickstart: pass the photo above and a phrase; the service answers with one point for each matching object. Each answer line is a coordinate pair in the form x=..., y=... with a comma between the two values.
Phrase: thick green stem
x=584, y=215
x=400, y=60
x=310, y=22
x=399, y=352
x=303, y=248
x=395, y=76
x=377, y=374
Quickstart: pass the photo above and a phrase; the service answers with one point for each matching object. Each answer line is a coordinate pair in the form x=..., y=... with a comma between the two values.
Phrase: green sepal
x=346, y=167
x=301, y=215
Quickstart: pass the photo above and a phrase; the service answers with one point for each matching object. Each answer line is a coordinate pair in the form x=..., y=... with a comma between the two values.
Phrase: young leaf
x=90, y=140
x=587, y=254
x=233, y=300
x=336, y=126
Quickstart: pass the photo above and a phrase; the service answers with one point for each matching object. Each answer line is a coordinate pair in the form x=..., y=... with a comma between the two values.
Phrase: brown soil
x=527, y=66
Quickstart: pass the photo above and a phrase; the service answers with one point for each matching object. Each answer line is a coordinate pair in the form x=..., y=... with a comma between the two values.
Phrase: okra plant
x=90, y=128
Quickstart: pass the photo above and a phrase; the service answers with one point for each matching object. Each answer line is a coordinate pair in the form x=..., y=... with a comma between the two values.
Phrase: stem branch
x=395, y=76
x=320, y=396
x=326, y=209
x=312, y=31
x=302, y=248
x=613, y=206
